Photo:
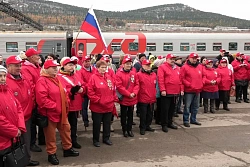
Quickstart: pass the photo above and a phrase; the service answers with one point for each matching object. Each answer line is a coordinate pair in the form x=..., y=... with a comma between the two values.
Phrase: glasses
x=79, y=53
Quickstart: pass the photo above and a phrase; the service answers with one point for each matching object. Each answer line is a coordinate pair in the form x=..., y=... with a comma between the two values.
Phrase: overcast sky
x=234, y=8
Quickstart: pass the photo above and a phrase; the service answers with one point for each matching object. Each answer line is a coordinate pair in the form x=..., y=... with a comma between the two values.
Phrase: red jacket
x=73, y=53
x=191, y=78
x=127, y=83
x=101, y=92
x=169, y=79
x=210, y=74
x=31, y=73
x=21, y=89
x=147, y=87
x=48, y=99
x=11, y=117
x=240, y=72
x=68, y=81
x=227, y=78
x=85, y=75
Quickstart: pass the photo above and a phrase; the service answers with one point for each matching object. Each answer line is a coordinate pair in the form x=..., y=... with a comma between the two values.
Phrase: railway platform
x=223, y=140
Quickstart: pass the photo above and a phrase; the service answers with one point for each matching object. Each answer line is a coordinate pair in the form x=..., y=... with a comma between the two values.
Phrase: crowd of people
x=62, y=90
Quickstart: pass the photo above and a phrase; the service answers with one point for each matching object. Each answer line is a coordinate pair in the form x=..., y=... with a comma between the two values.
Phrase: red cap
x=31, y=51
x=160, y=57
x=84, y=58
x=126, y=59
x=223, y=61
x=193, y=55
x=74, y=58
x=50, y=63
x=209, y=61
x=68, y=60
x=239, y=54
x=146, y=62
x=222, y=50
x=13, y=60
x=170, y=56
x=105, y=59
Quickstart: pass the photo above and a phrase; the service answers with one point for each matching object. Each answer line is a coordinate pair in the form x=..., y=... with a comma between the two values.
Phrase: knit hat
x=3, y=69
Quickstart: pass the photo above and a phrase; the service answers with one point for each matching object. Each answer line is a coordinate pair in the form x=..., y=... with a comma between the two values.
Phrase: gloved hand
x=73, y=91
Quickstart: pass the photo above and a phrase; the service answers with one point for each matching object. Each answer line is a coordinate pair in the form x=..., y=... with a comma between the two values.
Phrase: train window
x=201, y=47
x=133, y=46
x=11, y=47
x=167, y=46
x=151, y=47
x=81, y=46
x=31, y=45
x=217, y=46
x=58, y=47
x=233, y=45
x=184, y=47
x=247, y=46
x=116, y=46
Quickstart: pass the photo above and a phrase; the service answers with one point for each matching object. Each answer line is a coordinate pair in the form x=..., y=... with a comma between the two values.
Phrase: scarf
x=64, y=119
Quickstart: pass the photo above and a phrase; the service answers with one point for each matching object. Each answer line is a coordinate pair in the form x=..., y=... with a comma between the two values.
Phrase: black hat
x=141, y=55
x=178, y=58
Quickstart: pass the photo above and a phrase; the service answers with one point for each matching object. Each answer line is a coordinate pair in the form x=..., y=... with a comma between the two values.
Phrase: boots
x=225, y=106
x=205, y=103
x=217, y=104
x=70, y=153
x=212, y=104
x=53, y=159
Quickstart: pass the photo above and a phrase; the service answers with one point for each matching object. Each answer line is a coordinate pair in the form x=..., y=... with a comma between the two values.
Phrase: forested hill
x=49, y=12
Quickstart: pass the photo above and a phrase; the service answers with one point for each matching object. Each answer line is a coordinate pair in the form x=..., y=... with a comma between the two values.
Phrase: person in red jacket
x=211, y=80
x=227, y=82
x=21, y=89
x=85, y=73
x=11, y=116
x=241, y=68
x=170, y=88
x=79, y=54
x=75, y=87
x=146, y=96
x=101, y=93
x=52, y=102
x=127, y=85
x=31, y=71
x=191, y=77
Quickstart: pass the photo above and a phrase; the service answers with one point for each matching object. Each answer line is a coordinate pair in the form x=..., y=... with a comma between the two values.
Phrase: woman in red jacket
x=11, y=116
x=101, y=93
x=52, y=102
x=146, y=96
x=72, y=82
x=227, y=81
x=127, y=86
x=211, y=80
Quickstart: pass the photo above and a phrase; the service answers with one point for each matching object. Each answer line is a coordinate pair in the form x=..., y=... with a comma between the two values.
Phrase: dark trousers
x=33, y=130
x=212, y=104
x=158, y=111
x=167, y=110
x=126, y=117
x=85, y=105
x=72, y=118
x=224, y=97
x=27, y=136
x=239, y=89
x=146, y=115
x=97, y=119
x=179, y=102
x=137, y=109
x=2, y=153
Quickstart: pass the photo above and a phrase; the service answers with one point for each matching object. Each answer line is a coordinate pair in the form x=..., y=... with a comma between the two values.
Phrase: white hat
x=3, y=69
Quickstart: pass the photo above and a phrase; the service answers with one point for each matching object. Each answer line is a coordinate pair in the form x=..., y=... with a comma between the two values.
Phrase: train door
x=59, y=48
x=81, y=44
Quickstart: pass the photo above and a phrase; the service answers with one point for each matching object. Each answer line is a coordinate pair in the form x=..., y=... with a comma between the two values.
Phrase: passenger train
x=180, y=44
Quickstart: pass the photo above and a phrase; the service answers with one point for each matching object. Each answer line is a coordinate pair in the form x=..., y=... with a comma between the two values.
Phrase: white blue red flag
x=90, y=25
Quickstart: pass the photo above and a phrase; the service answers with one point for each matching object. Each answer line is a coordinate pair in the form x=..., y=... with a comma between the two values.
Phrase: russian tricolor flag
x=90, y=25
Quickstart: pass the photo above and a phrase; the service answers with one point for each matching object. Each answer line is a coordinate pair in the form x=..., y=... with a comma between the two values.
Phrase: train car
x=180, y=44
x=58, y=43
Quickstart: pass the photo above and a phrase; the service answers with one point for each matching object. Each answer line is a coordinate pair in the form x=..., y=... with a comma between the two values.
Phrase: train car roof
x=203, y=36
x=37, y=34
